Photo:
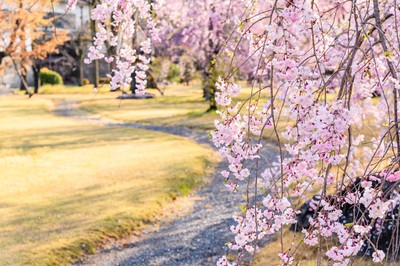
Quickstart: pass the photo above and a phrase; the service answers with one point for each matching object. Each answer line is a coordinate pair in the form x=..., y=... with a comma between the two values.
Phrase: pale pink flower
x=378, y=256
x=286, y=258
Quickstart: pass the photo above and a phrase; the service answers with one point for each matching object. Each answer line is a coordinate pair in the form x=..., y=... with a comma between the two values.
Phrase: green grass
x=184, y=106
x=67, y=187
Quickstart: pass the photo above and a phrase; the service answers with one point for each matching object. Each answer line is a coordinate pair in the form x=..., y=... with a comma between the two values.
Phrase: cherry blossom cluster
x=230, y=138
x=318, y=65
x=127, y=28
x=356, y=217
x=325, y=225
x=257, y=224
x=225, y=92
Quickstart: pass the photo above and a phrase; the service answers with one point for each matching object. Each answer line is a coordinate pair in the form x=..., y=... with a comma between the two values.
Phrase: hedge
x=48, y=76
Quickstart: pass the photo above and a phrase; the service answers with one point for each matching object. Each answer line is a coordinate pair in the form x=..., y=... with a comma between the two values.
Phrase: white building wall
x=8, y=77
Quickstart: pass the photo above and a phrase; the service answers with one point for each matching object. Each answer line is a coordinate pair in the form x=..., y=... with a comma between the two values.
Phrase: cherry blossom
x=378, y=256
x=131, y=19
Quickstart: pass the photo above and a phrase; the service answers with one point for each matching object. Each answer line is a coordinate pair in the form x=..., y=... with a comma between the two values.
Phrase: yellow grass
x=181, y=106
x=62, y=89
x=65, y=186
x=175, y=108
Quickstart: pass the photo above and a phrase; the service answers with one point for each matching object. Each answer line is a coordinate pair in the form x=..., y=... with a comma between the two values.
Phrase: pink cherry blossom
x=393, y=177
x=378, y=256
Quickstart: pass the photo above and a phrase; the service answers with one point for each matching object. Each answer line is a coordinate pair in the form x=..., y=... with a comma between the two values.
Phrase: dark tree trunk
x=213, y=89
x=2, y=55
x=112, y=50
x=205, y=80
x=80, y=58
x=36, y=79
x=96, y=73
x=80, y=52
x=95, y=62
x=134, y=40
x=209, y=88
x=152, y=83
x=206, y=93
x=133, y=83
x=22, y=77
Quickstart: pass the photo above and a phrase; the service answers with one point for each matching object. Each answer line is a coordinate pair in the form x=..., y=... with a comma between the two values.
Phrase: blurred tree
x=187, y=69
x=80, y=41
x=199, y=29
x=28, y=37
x=93, y=29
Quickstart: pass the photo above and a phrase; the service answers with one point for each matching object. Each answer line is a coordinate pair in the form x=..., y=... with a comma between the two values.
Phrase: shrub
x=85, y=81
x=48, y=76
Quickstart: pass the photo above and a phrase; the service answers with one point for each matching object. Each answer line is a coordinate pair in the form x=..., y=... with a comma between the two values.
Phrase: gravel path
x=196, y=238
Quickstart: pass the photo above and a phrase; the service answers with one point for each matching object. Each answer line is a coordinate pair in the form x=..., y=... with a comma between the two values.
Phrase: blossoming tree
x=318, y=64
x=199, y=29
x=128, y=59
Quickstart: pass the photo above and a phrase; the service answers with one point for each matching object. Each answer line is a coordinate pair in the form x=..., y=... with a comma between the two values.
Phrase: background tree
x=187, y=69
x=132, y=45
x=28, y=36
x=80, y=42
x=93, y=30
x=42, y=46
x=199, y=29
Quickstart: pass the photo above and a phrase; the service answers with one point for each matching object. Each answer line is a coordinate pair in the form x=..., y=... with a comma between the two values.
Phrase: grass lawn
x=181, y=105
x=66, y=186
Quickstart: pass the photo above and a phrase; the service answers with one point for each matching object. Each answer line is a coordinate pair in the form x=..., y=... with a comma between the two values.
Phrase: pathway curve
x=197, y=238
